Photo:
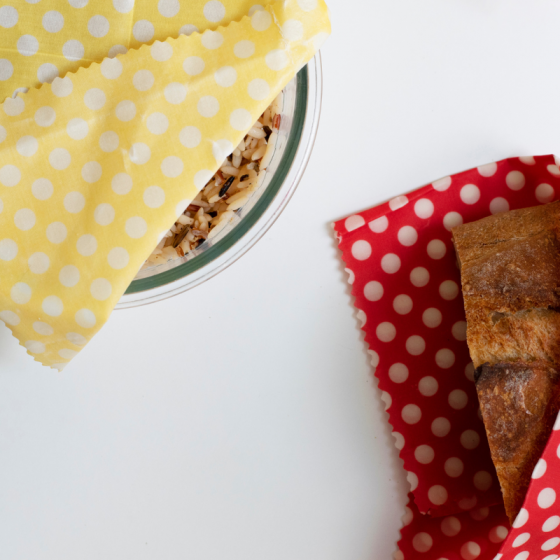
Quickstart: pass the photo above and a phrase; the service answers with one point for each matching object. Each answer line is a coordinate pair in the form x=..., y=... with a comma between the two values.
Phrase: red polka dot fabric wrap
x=402, y=267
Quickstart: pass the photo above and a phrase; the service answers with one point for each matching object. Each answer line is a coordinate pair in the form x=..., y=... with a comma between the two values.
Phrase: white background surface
x=240, y=420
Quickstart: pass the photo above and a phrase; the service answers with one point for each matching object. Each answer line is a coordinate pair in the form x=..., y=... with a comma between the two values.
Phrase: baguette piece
x=510, y=275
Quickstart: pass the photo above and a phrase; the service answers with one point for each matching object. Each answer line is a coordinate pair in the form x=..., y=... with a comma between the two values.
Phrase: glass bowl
x=296, y=136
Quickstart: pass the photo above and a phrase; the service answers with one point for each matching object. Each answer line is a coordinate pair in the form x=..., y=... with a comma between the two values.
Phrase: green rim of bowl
x=256, y=212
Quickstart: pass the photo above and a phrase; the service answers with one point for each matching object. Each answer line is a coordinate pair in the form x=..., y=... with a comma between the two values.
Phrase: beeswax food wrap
x=96, y=166
x=402, y=267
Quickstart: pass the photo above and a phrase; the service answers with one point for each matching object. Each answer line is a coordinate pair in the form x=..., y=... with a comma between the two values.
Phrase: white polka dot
x=24, y=219
x=432, y=317
x=3, y=133
x=143, y=80
x=419, y=277
x=76, y=338
x=470, y=550
x=27, y=45
x=212, y=39
x=553, y=170
x=188, y=29
x=85, y=318
x=8, y=249
x=214, y=11
x=386, y=331
x=6, y=71
x=398, y=373
x=488, y=170
x=77, y=129
x=307, y=5
x=470, y=439
x=544, y=193
x=527, y=160
x=453, y=467
x=139, y=153
x=62, y=87
x=415, y=345
x=550, y=543
x=354, y=222
x=56, y=232
x=259, y=90
x=35, y=347
x=10, y=175
x=125, y=111
x=540, y=469
x=522, y=518
x=412, y=480
x=73, y=50
x=27, y=146
x=38, y=263
x=92, y=171
x=445, y=358
x=190, y=137
x=45, y=116
x=8, y=16
x=53, y=21
x=157, y=123
x=169, y=8
x=428, y=386
x=411, y=414
x=208, y=106
x=123, y=6
x=109, y=141
x=373, y=291
x=525, y=554
x=116, y=50
x=12, y=107
x=172, y=167
x=437, y=495
x=240, y=119
x=515, y=180
x=136, y=227
x=121, y=183
x=390, y=263
x=161, y=51
x=374, y=358
x=104, y=214
x=20, y=293
x=221, y=149
x=69, y=276
x=451, y=220
x=98, y=26
x=53, y=306
x=361, y=250
x=143, y=31
x=549, y=525
x=450, y=526
x=424, y=454
x=470, y=194
x=193, y=65
x=518, y=541
x=441, y=427
x=86, y=245
x=469, y=371
x=261, y=20
x=448, y=290
x=202, y=177
x=154, y=197
x=175, y=93
x=244, y=49
x=118, y=258
x=402, y=304
x=361, y=316
x=111, y=68
x=42, y=328
x=179, y=209
x=276, y=60
x=95, y=99
x=442, y=184
x=101, y=289
x=292, y=30
x=424, y=208
x=482, y=480
x=398, y=202
x=422, y=542
x=546, y=498
x=499, y=204
x=399, y=444
x=459, y=330
x=436, y=249
x=407, y=236
x=73, y=3
x=67, y=354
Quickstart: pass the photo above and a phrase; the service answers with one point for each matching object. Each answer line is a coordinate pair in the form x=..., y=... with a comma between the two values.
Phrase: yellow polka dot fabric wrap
x=97, y=165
